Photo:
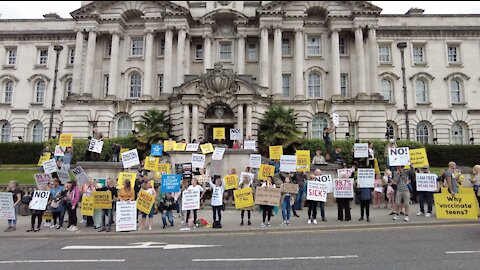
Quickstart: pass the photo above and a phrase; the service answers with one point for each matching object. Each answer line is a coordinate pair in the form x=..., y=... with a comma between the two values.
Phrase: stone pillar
x=180, y=55
x=90, y=62
x=186, y=69
x=298, y=63
x=240, y=117
x=277, y=62
x=195, y=122
x=77, y=65
x=241, y=54
x=249, y=120
x=167, y=62
x=335, y=63
x=186, y=122
x=207, y=54
x=373, y=54
x=148, y=68
x=113, y=70
x=264, y=58
x=360, y=53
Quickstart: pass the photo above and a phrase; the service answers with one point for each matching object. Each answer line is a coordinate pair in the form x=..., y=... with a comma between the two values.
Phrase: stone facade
x=223, y=63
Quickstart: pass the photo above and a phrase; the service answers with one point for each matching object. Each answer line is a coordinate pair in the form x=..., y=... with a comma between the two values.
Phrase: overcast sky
x=35, y=10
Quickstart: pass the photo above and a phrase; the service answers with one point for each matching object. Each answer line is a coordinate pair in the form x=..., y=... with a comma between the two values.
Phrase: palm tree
x=278, y=127
x=154, y=126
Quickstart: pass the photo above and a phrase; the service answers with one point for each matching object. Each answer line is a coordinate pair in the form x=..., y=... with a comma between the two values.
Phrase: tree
x=154, y=126
x=278, y=127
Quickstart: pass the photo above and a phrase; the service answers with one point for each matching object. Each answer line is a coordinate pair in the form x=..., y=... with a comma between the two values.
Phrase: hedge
x=463, y=155
x=20, y=153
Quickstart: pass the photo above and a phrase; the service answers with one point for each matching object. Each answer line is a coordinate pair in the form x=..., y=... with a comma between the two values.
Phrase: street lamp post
x=402, y=46
x=58, y=49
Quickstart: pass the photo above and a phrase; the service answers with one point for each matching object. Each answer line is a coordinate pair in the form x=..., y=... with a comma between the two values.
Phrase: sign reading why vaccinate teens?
x=317, y=191
x=190, y=200
x=145, y=202
x=156, y=150
x=343, y=188
x=267, y=196
x=398, y=156
x=39, y=200
x=130, y=159
x=102, y=199
x=366, y=178
x=7, y=210
x=126, y=216
x=360, y=150
x=170, y=183
x=426, y=182
x=461, y=206
x=243, y=198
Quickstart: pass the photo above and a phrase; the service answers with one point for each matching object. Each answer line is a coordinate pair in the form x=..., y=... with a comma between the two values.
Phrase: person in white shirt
x=217, y=200
x=196, y=187
x=267, y=209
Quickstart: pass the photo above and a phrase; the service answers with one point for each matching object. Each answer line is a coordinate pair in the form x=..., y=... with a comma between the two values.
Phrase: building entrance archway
x=219, y=115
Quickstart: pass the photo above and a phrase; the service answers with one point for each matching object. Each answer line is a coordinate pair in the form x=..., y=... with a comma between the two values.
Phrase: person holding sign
x=267, y=209
x=17, y=195
x=328, y=141
x=147, y=187
x=217, y=200
x=401, y=179
x=126, y=193
x=287, y=201
x=426, y=195
x=73, y=198
x=108, y=212
x=36, y=215
x=312, y=205
x=194, y=187
x=245, y=183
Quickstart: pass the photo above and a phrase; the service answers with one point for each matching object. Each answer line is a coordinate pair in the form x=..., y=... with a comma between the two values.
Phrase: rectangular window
x=344, y=84
x=353, y=130
x=43, y=56
x=198, y=52
x=252, y=52
x=160, y=84
x=11, y=56
x=225, y=51
x=136, y=47
x=453, y=54
x=105, y=84
x=384, y=54
x=286, y=85
x=108, y=48
x=161, y=48
x=418, y=54
x=313, y=46
x=71, y=56
x=342, y=45
x=286, y=47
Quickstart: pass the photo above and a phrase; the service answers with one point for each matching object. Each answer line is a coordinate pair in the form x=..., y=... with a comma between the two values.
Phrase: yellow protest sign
x=87, y=206
x=43, y=158
x=206, y=148
x=145, y=201
x=168, y=145
x=231, y=181
x=303, y=160
x=163, y=168
x=151, y=163
x=66, y=140
x=276, y=152
x=179, y=147
x=265, y=171
x=123, y=176
x=243, y=198
x=376, y=167
x=418, y=157
x=123, y=150
x=463, y=205
x=218, y=133
x=47, y=215
x=102, y=200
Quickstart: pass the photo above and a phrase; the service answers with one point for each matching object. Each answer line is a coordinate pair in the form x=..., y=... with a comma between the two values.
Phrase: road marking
x=63, y=261
x=141, y=245
x=462, y=252
x=275, y=259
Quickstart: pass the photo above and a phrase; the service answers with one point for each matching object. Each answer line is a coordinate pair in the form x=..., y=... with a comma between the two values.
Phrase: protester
x=371, y=156
x=287, y=201
x=227, y=194
x=17, y=195
x=267, y=209
x=402, y=180
x=166, y=207
x=328, y=141
x=317, y=174
x=365, y=195
x=108, y=212
x=476, y=181
x=391, y=144
x=318, y=159
x=300, y=178
x=245, y=183
x=217, y=200
x=338, y=158
x=450, y=179
x=116, y=148
x=36, y=215
x=150, y=190
x=378, y=190
x=194, y=187
x=312, y=205
x=87, y=189
x=73, y=198
x=126, y=193
x=97, y=135
x=236, y=145
x=48, y=218
x=57, y=204
x=425, y=195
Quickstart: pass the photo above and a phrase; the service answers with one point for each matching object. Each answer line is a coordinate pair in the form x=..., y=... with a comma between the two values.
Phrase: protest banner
x=123, y=176
x=326, y=180
x=50, y=166
x=265, y=171
x=249, y=144
x=130, y=159
x=243, y=198
x=360, y=150
x=202, y=178
x=288, y=163
x=275, y=152
x=192, y=147
x=95, y=146
x=126, y=216
x=102, y=200
x=190, y=200
x=344, y=173
x=255, y=160
x=343, y=188
x=418, y=158
x=267, y=196
x=366, y=178
x=316, y=191
x=80, y=175
x=426, y=182
x=65, y=140
x=39, y=200
x=249, y=176
x=59, y=151
x=290, y=188
x=218, y=153
x=216, y=167
x=7, y=210
x=179, y=147
x=87, y=206
x=335, y=119
x=43, y=158
x=102, y=181
x=206, y=148
x=170, y=183
x=236, y=134
x=303, y=160
x=145, y=202
x=398, y=156
x=231, y=181
x=463, y=205
x=156, y=150
x=198, y=160
x=151, y=163
x=168, y=145
x=219, y=133
x=42, y=179
x=164, y=168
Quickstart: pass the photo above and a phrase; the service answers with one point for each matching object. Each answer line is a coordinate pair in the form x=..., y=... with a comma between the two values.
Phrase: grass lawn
x=20, y=166
x=22, y=176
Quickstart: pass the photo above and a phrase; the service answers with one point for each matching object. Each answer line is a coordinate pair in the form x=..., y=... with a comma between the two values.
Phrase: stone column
x=167, y=62
x=335, y=63
x=180, y=55
x=207, y=53
x=360, y=53
x=249, y=121
x=90, y=62
x=277, y=62
x=186, y=122
x=113, y=70
x=264, y=58
x=373, y=54
x=298, y=63
x=186, y=69
x=148, y=68
x=195, y=122
x=77, y=65
x=241, y=54
x=240, y=117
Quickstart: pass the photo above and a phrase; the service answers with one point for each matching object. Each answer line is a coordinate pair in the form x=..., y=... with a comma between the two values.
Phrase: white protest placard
x=398, y=156
x=288, y=163
x=95, y=146
x=326, y=180
x=344, y=173
x=360, y=150
x=236, y=134
x=216, y=167
x=59, y=151
x=250, y=177
x=50, y=166
x=366, y=178
x=218, y=153
x=126, y=216
x=343, y=188
x=316, y=191
x=39, y=200
x=426, y=182
x=80, y=175
x=63, y=176
x=190, y=200
x=252, y=145
x=335, y=119
x=198, y=161
x=255, y=160
x=7, y=210
x=130, y=158
x=192, y=147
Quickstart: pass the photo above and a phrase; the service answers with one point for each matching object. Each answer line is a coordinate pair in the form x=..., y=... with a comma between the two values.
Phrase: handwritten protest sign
x=126, y=216
x=198, y=160
x=398, y=156
x=288, y=163
x=156, y=150
x=39, y=200
x=231, y=181
x=426, y=182
x=151, y=163
x=303, y=160
x=170, y=183
x=95, y=146
x=7, y=210
x=42, y=179
x=102, y=199
x=206, y=148
x=327, y=180
x=316, y=191
x=65, y=140
x=168, y=145
x=145, y=202
x=45, y=157
x=265, y=171
x=344, y=173
x=216, y=167
x=87, y=206
x=192, y=147
x=335, y=119
x=80, y=175
x=236, y=134
x=123, y=176
x=343, y=188
x=218, y=153
x=249, y=176
x=50, y=166
x=249, y=144
x=366, y=178
x=463, y=205
x=255, y=160
x=130, y=159
x=243, y=198
x=267, y=196
x=218, y=133
x=59, y=151
x=290, y=188
x=275, y=152
x=202, y=178
x=190, y=200
x=360, y=150
x=418, y=158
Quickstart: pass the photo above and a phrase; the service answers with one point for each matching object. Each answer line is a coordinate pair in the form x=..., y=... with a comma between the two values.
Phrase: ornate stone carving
x=218, y=82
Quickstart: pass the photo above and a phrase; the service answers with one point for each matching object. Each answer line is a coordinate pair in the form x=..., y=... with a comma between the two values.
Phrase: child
x=267, y=209
x=167, y=204
x=287, y=201
x=217, y=200
x=378, y=190
x=245, y=183
x=150, y=190
x=196, y=187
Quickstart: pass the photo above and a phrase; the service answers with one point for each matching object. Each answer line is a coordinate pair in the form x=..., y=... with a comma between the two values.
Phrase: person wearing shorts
x=403, y=194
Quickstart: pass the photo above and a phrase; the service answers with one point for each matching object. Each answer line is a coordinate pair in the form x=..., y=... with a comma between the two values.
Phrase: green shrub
x=463, y=155
x=20, y=153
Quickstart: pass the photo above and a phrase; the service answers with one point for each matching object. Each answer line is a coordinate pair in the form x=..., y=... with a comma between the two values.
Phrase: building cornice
x=467, y=31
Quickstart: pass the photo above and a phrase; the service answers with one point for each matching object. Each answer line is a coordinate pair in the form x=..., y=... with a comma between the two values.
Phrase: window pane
x=135, y=85
x=6, y=132
x=43, y=57
x=286, y=47
x=286, y=85
x=106, y=83
x=422, y=133
x=390, y=131
x=8, y=93
x=124, y=126
x=344, y=85
x=421, y=91
x=252, y=52
x=384, y=54
x=458, y=136
x=40, y=92
x=160, y=84
x=12, y=56
x=342, y=45
x=225, y=51
x=71, y=56
x=318, y=124
x=452, y=54
x=313, y=46
x=314, y=85
x=68, y=87
x=37, y=132
x=456, y=92
x=387, y=89
x=162, y=47
x=137, y=47
x=199, y=52
x=418, y=54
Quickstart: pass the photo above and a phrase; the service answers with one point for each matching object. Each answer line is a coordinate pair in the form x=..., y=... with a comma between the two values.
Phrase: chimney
x=51, y=16
x=415, y=11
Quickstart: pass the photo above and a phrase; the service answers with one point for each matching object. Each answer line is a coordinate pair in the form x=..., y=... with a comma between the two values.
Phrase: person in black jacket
x=108, y=212
x=166, y=206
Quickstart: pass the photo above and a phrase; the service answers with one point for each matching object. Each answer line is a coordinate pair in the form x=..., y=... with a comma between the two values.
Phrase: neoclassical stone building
x=223, y=63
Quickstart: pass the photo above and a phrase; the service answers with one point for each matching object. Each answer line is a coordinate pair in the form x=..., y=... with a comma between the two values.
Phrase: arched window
x=6, y=132
x=387, y=89
x=135, y=85
x=319, y=122
x=314, y=85
x=37, y=132
x=459, y=132
x=68, y=88
x=124, y=126
x=391, y=131
x=423, y=133
x=40, y=92
x=456, y=91
x=421, y=91
x=8, y=92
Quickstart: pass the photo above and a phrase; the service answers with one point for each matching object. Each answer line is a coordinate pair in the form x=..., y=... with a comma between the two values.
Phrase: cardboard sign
x=303, y=160
x=7, y=210
x=268, y=196
x=398, y=156
x=201, y=178
x=343, y=188
x=80, y=175
x=275, y=152
x=39, y=200
x=190, y=200
x=102, y=199
x=126, y=216
x=145, y=202
x=123, y=176
x=344, y=173
x=426, y=182
x=130, y=159
x=63, y=176
x=43, y=158
x=170, y=183
x=206, y=148
x=156, y=150
x=460, y=206
x=219, y=133
x=59, y=151
x=366, y=178
x=65, y=140
x=231, y=181
x=179, y=147
x=317, y=191
x=265, y=171
x=288, y=163
x=326, y=180
x=95, y=146
x=192, y=147
x=50, y=166
x=251, y=145
x=290, y=188
x=87, y=206
x=42, y=179
x=418, y=158
x=255, y=160
x=236, y=134
x=168, y=145
x=218, y=153
x=243, y=198
x=335, y=119
x=151, y=163
x=216, y=167
x=198, y=160
x=360, y=150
